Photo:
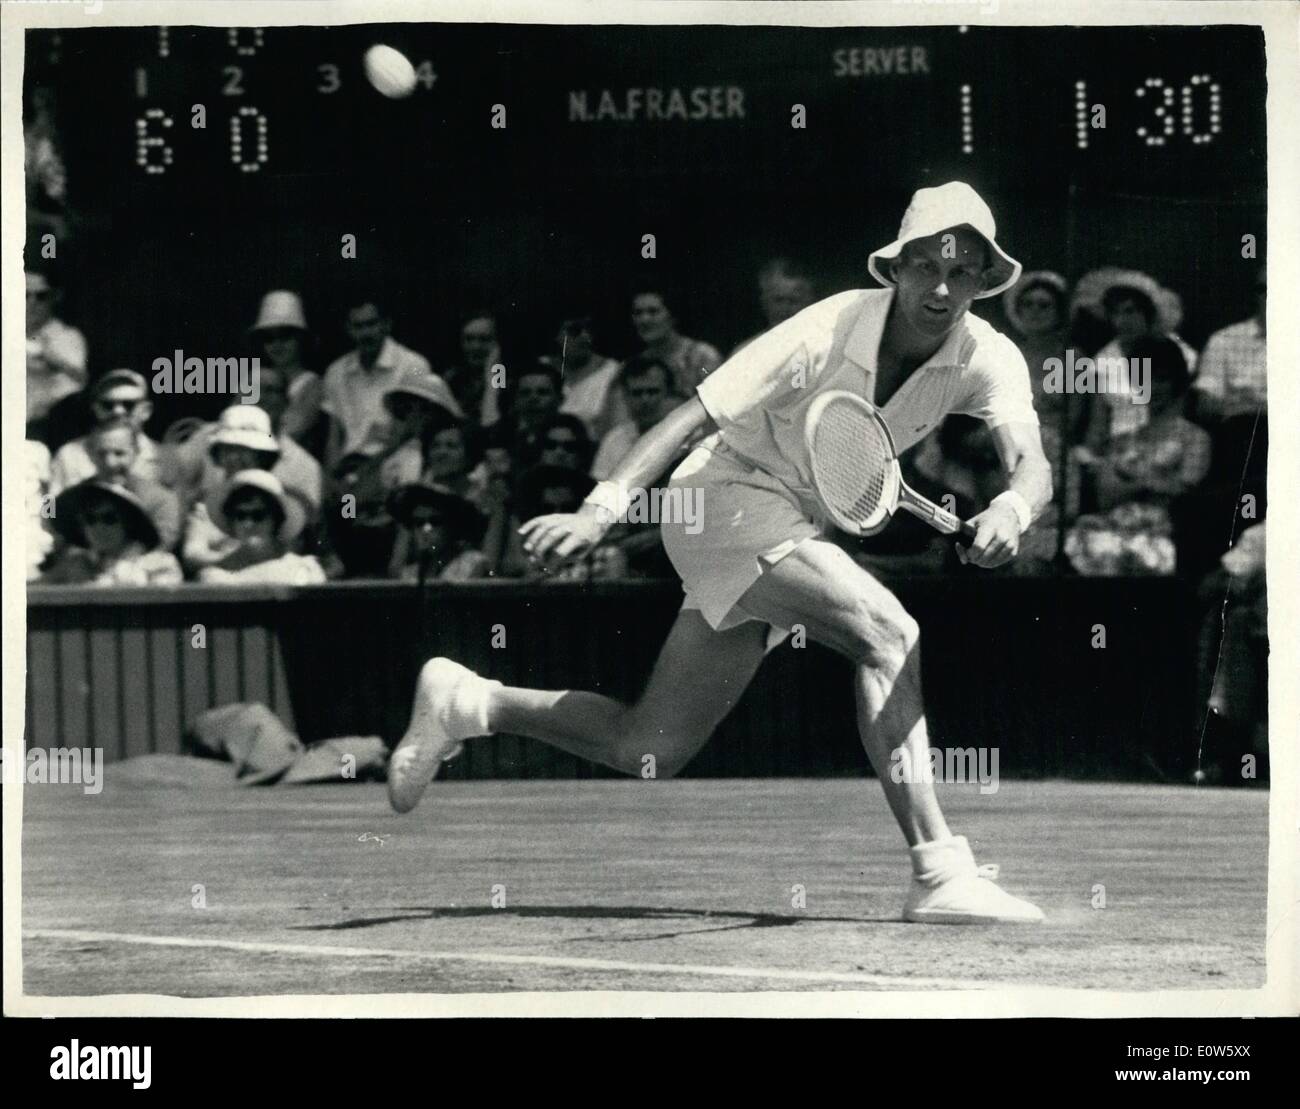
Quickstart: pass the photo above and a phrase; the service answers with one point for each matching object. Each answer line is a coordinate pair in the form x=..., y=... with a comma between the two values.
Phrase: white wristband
x=609, y=497
x=1021, y=507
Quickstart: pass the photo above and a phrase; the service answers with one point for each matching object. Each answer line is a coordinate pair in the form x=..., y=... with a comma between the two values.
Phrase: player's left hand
x=997, y=537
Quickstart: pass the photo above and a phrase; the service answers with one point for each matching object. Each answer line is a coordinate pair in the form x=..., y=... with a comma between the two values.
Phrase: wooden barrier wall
x=1009, y=662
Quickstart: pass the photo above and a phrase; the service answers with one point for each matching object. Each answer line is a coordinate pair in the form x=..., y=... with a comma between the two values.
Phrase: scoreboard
x=172, y=114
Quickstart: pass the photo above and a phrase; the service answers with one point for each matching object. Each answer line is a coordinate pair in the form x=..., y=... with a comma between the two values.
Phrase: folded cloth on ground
x=352, y=757
x=251, y=736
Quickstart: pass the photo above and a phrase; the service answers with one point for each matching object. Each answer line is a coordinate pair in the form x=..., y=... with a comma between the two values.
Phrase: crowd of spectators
x=379, y=466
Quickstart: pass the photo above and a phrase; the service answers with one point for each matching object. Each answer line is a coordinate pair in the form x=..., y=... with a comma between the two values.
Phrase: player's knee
x=658, y=753
x=883, y=636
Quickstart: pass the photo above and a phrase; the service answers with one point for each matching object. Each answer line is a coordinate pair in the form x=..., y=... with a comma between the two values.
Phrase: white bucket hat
x=429, y=388
x=245, y=425
x=942, y=208
x=280, y=308
x=1090, y=295
x=295, y=514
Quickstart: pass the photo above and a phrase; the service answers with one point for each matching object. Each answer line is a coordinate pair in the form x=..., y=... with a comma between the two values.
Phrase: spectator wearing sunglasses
x=264, y=520
x=565, y=443
x=241, y=441
x=439, y=535
x=195, y=469
x=119, y=397
x=112, y=539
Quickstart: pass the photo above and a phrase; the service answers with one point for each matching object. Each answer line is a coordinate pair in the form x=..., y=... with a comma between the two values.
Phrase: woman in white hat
x=253, y=508
x=242, y=440
x=1135, y=307
x=282, y=335
x=762, y=562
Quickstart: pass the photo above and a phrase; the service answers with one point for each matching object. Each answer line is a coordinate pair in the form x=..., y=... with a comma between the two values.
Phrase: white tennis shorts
x=748, y=522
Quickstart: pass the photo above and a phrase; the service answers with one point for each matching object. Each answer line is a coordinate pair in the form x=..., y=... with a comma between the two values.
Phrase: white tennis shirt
x=759, y=397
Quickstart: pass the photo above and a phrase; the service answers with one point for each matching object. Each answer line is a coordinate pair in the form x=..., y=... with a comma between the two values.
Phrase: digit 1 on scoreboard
x=141, y=82
x=967, y=122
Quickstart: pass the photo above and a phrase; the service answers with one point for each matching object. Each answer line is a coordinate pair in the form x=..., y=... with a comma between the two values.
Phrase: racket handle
x=966, y=533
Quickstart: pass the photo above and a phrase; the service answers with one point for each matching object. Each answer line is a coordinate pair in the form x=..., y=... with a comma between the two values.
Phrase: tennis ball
x=390, y=71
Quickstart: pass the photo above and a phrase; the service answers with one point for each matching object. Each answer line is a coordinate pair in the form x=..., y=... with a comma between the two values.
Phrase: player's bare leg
x=699, y=676
x=842, y=606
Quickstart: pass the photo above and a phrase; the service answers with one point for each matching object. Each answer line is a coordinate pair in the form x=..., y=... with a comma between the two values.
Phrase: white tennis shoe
x=949, y=888
x=450, y=707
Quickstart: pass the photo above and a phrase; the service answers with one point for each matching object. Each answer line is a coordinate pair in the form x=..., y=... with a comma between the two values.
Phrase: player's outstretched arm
x=999, y=527
x=565, y=535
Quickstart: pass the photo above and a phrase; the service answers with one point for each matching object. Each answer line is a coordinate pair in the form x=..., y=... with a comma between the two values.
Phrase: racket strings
x=854, y=461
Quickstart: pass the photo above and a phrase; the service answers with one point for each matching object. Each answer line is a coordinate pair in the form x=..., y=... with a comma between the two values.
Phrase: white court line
x=322, y=951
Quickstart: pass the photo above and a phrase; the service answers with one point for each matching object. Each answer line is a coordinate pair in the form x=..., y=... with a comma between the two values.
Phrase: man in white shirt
x=120, y=396
x=1233, y=375
x=762, y=562
x=355, y=384
x=56, y=353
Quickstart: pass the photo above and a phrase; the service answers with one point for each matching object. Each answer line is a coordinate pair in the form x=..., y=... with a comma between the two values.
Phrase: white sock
x=935, y=862
x=467, y=708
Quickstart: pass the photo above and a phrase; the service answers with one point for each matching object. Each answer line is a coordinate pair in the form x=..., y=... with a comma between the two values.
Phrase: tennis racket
x=856, y=473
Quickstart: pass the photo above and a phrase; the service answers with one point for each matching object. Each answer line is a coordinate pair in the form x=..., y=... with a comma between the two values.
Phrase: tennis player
x=761, y=564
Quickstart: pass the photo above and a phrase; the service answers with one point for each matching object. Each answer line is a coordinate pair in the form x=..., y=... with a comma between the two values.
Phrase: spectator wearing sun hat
x=112, y=539
x=120, y=396
x=241, y=440
x=115, y=447
x=419, y=406
x=283, y=339
x=439, y=535
x=264, y=520
x=1136, y=307
x=197, y=465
